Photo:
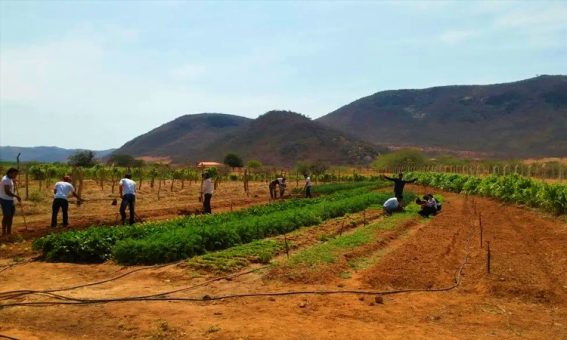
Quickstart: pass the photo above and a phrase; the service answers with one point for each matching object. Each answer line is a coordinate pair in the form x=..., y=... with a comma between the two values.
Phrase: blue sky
x=95, y=74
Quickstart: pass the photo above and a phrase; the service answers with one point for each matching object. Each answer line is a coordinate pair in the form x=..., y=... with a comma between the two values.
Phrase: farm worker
x=429, y=205
x=7, y=195
x=127, y=190
x=61, y=191
x=307, y=186
x=282, y=183
x=391, y=205
x=399, y=185
x=272, y=187
x=208, y=193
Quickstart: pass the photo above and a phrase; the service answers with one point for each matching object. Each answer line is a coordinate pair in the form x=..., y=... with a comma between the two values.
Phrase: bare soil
x=524, y=296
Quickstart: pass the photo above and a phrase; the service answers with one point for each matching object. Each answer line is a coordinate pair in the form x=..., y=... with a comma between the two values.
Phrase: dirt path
x=524, y=296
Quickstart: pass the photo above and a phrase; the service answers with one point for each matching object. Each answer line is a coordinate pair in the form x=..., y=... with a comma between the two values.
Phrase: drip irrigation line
x=16, y=293
x=2, y=336
x=163, y=295
x=15, y=264
x=50, y=292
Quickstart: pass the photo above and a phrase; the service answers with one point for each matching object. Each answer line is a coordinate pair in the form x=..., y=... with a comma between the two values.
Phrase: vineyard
x=158, y=242
x=257, y=265
x=512, y=188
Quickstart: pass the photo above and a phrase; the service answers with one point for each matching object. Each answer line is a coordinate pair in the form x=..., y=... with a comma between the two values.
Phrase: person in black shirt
x=399, y=185
x=272, y=187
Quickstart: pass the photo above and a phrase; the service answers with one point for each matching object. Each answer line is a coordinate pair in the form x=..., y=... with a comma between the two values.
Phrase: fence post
x=481, y=229
x=488, y=259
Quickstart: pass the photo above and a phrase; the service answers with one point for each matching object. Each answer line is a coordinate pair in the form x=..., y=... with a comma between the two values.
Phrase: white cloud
x=535, y=19
x=457, y=36
x=188, y=71
x=39, y=72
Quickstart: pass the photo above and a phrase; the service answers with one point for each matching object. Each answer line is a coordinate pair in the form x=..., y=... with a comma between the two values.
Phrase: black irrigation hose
x=162, y=296
x=134, y=298
x=17, y=293
x=15, y=264
x=2, y=336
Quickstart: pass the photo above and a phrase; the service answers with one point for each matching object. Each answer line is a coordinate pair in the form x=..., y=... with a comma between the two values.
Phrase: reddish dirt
x=228, y=196
x=525, y=295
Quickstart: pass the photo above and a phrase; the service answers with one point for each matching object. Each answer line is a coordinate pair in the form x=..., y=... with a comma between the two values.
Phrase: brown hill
x=275, y=138
x=283, y=138
x=519, y=119
x=185, y=138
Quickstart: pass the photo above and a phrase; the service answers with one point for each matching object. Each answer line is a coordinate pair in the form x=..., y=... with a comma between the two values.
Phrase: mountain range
x=520, y=119
x=275, y=138
x=42, y=153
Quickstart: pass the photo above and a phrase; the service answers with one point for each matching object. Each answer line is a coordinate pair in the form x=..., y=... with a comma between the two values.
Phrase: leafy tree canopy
x=125, y=160
x=233, y=160
x=315, y=168
x=400, y=158
x=83, y=158
x=254, y=164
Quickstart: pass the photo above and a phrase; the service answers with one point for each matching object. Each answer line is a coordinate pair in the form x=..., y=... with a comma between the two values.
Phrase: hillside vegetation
x=520, y=119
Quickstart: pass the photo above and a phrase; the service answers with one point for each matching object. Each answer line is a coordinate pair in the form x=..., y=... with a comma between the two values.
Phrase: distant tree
x=213, y=172
x=318, y=168
x=233, y=160
x=83, y=158
x=125, y=160
x=399, y=159
x=254, y=164
x=303, y=167
x=308, y=168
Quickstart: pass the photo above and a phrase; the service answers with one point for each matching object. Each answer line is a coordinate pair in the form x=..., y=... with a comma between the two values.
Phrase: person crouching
x=429, y=205
x=392, y=205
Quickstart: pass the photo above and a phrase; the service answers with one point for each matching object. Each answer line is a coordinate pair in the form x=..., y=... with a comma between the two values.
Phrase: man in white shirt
x=282, y=184
x=7, y=195
x=307, y=186
x=127, y=190
x=391, y=205
x=61, y=191
x=207, y=192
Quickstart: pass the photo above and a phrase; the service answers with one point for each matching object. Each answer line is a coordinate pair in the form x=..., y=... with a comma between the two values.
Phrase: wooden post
x=488, y=255
x=101, y=174
x=286, y=246
x=141, y=179
x=160, y=180
x=364, y=216
x=481, y=229
x=80, y=189
x=27, y=183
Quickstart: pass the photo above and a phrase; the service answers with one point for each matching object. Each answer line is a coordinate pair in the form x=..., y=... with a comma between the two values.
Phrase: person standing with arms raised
x=399, y=184
x=61, y=191
x=7, y=195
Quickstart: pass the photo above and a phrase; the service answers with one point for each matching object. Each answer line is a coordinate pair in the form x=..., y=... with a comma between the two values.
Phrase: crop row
x=511, y=188
x=188, y=236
